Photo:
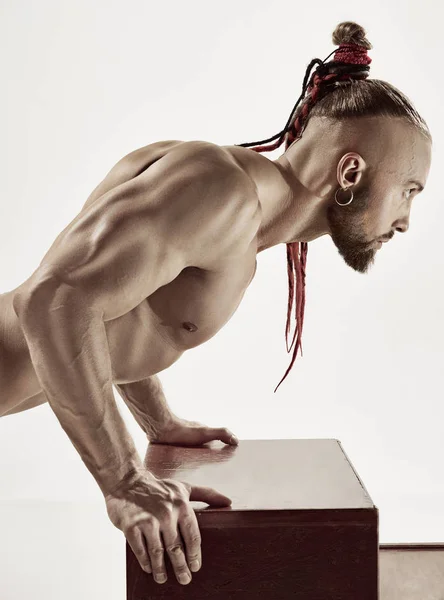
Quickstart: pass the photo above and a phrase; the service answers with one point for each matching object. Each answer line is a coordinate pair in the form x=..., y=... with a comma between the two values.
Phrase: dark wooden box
x=302, y=526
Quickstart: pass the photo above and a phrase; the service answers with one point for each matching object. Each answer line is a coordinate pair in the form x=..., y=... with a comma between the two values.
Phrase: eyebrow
x=415, y=182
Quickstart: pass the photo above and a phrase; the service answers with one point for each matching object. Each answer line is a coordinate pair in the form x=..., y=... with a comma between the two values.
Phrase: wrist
x=115, y=484
x=156, y=430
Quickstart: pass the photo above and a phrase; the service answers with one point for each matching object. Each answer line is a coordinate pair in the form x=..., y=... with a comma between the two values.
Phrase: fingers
x=225, y=435
x=221, y=433
x=149, y=548
x=138, y=546
x=154, y=543
x=177, y=533
x=176, y=552
x=189, y=528
x=202, y=493
x=173, y=529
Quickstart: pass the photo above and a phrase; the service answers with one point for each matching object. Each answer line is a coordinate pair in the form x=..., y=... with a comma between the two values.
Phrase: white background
x=84, y=83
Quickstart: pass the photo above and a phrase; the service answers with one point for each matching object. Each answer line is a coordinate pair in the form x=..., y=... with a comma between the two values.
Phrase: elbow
x=35, y=291
x=38, y=289
x=37, y=300
x=29, y=301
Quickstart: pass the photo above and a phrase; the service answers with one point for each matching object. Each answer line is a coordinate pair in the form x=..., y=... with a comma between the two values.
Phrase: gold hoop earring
x=345, y=203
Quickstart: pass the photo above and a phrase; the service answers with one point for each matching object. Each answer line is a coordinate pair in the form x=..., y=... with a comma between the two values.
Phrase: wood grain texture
x=301, y=525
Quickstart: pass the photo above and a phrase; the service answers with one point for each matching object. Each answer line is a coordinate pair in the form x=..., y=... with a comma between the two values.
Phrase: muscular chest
x=179, y=316
x=192, y=308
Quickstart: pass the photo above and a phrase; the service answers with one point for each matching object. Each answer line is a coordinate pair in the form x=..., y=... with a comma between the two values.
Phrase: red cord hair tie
x=352, y=54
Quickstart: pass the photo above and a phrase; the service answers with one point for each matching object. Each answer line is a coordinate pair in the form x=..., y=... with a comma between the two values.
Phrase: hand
x=192, y=433
x=152, y=512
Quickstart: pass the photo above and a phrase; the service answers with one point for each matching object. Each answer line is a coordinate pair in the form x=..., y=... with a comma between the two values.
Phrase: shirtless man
x=155, y=263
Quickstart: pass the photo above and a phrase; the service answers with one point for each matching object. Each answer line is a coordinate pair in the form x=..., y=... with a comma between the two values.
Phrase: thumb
x=209, y=495
x=219, y=433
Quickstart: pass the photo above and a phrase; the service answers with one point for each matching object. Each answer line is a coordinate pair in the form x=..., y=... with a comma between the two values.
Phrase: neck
x=296, y=189
x=299, y=213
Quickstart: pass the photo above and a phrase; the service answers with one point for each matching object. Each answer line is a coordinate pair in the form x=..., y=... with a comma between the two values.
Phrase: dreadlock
x=338, y=89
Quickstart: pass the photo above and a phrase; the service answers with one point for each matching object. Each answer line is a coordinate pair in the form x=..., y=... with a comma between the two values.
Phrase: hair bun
x=349, y=32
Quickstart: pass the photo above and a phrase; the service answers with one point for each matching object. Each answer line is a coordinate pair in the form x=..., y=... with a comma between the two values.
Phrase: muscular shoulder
x=203, y=189
x=215, y=197
x=198, y=154
x=190, y=207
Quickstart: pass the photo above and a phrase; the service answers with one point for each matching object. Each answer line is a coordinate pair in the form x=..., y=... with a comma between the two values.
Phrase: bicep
x=143, y=234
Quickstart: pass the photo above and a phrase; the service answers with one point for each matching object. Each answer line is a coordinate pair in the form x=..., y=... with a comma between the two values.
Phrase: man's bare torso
x=176, y=317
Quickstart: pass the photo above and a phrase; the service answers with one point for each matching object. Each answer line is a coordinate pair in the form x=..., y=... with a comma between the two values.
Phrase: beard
x=347, y=224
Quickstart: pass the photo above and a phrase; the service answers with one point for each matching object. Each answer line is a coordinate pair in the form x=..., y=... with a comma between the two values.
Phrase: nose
x=403, y=223
x=402, y=228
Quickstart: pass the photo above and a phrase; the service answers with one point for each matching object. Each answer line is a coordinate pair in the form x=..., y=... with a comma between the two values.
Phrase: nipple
x=189, y=326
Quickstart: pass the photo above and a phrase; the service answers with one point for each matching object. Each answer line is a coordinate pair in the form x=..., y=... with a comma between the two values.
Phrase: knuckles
x=175, y=549
x=156, y=551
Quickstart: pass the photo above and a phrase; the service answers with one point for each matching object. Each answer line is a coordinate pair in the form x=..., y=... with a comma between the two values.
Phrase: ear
x=350, y=169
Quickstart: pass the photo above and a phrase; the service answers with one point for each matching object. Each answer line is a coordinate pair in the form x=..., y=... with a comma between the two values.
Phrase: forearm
x=147, y=403
x=69, y=351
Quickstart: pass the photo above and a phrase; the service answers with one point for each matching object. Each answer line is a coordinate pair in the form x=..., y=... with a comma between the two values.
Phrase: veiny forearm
x=146, y=401
x=68, y=347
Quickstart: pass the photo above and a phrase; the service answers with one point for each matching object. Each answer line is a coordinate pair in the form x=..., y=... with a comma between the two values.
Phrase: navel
x=189, y=326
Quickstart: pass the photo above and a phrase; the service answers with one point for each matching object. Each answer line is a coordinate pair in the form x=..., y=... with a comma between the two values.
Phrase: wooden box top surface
x=267, y=475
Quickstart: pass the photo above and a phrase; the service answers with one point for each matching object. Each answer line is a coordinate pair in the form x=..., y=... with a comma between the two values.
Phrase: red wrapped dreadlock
x=344, y=66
